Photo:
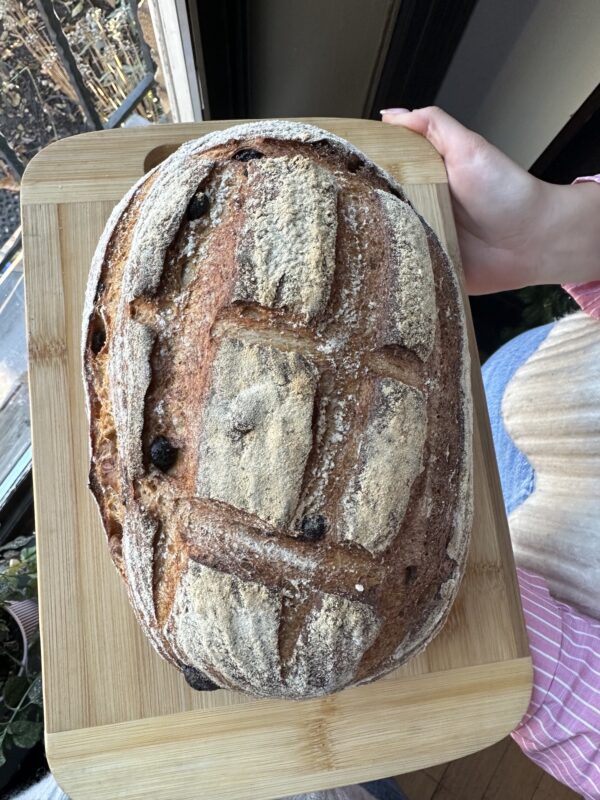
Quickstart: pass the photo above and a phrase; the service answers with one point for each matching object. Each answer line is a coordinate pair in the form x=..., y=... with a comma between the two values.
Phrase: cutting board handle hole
x=158, y=154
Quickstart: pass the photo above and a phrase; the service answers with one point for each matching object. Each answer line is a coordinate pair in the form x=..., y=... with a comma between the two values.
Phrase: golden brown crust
x=295, y=343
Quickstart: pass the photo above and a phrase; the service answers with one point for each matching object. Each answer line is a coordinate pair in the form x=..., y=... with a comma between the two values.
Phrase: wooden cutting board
x=122, y=723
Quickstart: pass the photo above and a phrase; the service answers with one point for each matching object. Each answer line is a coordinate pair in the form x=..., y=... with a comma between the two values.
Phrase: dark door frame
x=423, y=43
x=575, y=150
x=425, y=36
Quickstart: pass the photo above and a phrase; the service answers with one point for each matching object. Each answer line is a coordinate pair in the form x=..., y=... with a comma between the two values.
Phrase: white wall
x=316, y=57
x=522, y=69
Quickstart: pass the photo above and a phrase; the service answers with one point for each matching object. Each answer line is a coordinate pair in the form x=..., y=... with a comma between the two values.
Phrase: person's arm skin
x=513, y=229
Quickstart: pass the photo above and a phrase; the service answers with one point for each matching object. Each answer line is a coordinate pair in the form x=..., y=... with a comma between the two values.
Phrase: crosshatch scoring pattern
x=314, y=497
x=110, y=700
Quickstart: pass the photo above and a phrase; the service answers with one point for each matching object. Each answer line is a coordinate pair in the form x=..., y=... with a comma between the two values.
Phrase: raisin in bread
x=277, y=372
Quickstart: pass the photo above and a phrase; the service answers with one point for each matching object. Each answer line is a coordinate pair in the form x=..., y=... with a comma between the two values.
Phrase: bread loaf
x=277, y=373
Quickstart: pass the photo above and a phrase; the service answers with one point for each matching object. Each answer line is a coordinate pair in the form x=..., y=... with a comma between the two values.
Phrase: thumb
x=444, y=132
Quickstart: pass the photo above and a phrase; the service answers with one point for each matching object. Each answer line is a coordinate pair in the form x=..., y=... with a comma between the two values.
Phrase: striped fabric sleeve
x=561, y=729
x=586, y=295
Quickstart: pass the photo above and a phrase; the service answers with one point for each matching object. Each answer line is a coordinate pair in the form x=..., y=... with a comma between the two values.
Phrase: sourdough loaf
x=277, y=374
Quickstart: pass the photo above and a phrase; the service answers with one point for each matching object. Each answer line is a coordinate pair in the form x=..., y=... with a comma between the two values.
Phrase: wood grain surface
x=120, y=722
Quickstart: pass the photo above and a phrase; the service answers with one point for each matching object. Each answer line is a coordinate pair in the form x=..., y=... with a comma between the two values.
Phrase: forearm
x=513, y=229
x=568, y=241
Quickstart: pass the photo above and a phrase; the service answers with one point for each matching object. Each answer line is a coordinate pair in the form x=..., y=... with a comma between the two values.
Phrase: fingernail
x=395, y=111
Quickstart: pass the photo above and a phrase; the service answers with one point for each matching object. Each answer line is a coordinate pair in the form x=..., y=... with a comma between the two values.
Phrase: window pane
x=14, y=396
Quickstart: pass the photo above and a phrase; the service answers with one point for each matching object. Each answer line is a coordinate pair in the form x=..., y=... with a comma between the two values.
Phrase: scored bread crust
x=302, y=344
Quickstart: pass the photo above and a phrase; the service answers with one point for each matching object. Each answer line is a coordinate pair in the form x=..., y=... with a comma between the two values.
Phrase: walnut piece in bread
x=277, y=373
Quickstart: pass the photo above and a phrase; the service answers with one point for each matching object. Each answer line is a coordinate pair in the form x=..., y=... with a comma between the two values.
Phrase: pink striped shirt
x=587, y=295
x=561, y=729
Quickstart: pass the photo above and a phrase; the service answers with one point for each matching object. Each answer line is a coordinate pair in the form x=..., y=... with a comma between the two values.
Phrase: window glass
x=104, y=76
x=14, y=399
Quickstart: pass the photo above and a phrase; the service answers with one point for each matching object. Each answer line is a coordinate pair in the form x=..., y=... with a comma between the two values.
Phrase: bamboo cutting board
x=120, y=722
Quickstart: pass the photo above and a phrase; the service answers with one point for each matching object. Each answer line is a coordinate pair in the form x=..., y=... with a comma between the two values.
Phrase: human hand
x=513, y=229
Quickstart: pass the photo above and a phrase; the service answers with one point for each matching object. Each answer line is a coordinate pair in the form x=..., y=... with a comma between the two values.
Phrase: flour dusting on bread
x=277, y=377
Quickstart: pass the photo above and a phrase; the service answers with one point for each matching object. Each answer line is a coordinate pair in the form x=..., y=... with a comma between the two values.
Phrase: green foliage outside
x=21, y=715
